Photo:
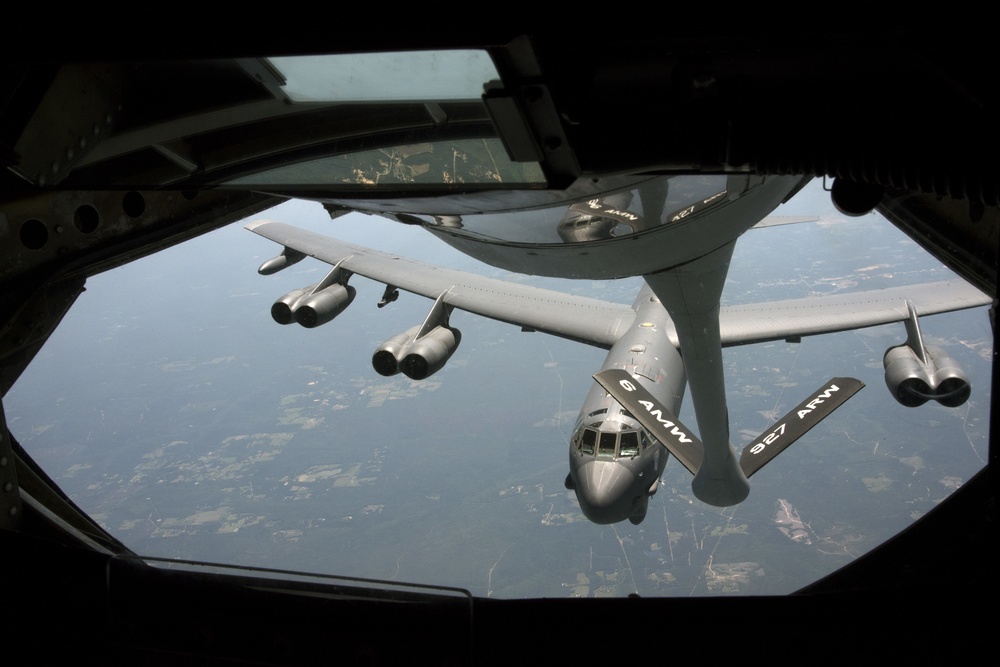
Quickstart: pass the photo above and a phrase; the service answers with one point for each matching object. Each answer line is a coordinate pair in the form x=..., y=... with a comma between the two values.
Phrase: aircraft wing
x=591, y=321
x=600, y=323
x=776, y=320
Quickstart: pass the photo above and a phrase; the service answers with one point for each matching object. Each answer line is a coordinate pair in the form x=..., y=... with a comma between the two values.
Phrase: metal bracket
x=10, y=496
x=78, y=111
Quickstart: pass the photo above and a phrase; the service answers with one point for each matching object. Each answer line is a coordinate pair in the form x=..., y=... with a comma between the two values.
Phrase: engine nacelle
x=321, y=307
x=385, y=361
x=906, y=376
x=913, y=382
x=953, y=387
x=417, y=359
x=428, y=354
x=283, y=310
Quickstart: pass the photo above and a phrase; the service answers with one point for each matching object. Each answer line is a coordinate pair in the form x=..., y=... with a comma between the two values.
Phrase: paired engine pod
x=953, y=387
x=311, y=310
x=283, y=310
x=906, y=376
x=913, y=382
x=385, y=361
x=323, y=306
x=417, y=358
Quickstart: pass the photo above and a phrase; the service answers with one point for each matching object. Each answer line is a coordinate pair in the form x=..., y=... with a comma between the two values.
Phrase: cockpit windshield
x=610, y=444
x=628, y=443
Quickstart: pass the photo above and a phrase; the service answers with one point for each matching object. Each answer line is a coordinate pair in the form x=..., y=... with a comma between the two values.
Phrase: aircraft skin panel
x=760, y=322
x=591, y=321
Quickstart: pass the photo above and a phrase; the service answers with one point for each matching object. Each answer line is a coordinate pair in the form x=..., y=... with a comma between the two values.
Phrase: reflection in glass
x=658, y=202
x=454, y=162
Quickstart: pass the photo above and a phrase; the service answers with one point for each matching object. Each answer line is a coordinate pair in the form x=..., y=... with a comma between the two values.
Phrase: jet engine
x=417, y=357
x=283, y=310
x=321, y=307
x=916, y=373
x=387, y=355
x=913, y=381
x=314, y=305
x=311, y=307
x=423, y=350
x=429, y=353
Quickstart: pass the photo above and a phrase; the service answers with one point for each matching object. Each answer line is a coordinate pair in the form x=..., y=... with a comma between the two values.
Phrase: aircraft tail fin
x=796, y=423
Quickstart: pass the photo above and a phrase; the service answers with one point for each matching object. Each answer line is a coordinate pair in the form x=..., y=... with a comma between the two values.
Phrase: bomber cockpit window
x=629, y=443
x=647, y=441
x=607, y=444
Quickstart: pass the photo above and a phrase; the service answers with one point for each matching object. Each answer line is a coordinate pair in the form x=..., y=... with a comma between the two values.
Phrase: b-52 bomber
x=627, y=426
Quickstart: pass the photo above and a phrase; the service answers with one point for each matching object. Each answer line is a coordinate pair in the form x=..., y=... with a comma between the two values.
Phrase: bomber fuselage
x=615, y=464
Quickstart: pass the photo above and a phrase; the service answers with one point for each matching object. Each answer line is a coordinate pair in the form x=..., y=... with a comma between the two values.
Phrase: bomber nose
x=602, y=487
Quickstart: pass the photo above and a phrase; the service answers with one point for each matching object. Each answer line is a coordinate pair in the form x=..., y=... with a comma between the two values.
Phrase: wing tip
x=255, y=224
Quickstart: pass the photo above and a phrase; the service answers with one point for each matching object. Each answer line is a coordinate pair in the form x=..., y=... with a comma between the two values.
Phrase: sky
x=195, y=427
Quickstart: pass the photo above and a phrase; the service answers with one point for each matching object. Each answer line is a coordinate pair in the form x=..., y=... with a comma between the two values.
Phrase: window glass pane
x=630, y=443
x=607, y=446
x=383, y=77
x=647, y=441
